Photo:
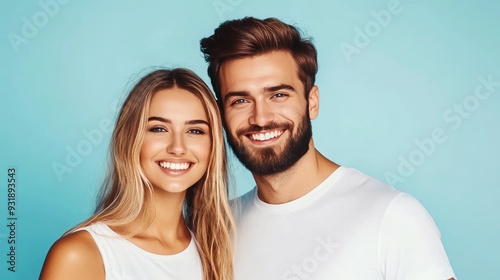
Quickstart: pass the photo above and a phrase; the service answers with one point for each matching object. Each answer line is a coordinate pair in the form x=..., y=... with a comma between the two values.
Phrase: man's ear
x=313, y=102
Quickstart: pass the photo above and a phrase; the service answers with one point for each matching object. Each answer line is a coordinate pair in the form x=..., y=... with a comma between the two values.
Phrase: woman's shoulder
x=73, y=256
x=77, y=245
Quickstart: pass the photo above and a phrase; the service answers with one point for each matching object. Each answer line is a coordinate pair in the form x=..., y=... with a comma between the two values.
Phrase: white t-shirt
x=123, y=260
x=349, y=227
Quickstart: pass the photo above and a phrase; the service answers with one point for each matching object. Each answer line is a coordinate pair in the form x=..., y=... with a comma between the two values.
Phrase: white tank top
x=123, y=260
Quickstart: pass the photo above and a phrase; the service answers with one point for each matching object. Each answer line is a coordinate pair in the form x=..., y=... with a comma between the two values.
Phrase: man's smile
x=264, y=136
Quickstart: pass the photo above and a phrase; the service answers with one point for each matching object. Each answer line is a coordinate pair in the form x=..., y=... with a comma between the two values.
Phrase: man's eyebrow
x=235, y=93
x=279, y=87
x=165, y=120
x=266, y=89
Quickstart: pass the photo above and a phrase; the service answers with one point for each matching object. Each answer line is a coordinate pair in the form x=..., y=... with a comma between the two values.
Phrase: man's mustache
x=258, y=128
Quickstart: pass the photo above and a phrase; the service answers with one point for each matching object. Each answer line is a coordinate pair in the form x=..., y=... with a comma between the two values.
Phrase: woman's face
x=176, y=148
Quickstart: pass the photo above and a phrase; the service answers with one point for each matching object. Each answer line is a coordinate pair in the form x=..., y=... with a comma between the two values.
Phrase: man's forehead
x=258, y=72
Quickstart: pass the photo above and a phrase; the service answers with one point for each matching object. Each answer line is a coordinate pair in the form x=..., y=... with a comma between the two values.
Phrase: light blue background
x=64, y=82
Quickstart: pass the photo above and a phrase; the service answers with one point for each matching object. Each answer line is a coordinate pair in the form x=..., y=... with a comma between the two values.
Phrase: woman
x=163, y=211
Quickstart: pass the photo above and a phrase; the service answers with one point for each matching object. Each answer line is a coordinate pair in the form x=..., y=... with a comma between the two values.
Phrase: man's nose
x=262, y=114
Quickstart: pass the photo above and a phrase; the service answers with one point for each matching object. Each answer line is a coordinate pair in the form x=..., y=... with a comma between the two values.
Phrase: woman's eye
x=157, y=129
x=196, y=131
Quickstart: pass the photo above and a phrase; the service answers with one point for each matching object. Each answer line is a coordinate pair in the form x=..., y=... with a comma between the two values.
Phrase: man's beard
x=270, y=160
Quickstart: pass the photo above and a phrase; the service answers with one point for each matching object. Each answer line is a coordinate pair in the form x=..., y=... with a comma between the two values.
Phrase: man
x=308, y=217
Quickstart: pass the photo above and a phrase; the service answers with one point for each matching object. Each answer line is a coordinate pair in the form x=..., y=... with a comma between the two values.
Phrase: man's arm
x=410, y=246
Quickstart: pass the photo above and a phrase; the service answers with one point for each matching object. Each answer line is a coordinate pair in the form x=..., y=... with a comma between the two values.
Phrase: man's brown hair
x=250, y=36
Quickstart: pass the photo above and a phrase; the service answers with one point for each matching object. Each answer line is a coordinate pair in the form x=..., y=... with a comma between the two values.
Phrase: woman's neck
x=167, y=233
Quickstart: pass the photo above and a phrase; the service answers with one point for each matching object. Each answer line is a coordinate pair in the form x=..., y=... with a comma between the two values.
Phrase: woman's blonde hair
x=126, y=194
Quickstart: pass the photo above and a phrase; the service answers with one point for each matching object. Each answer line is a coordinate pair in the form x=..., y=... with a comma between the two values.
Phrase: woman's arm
x=74, y=256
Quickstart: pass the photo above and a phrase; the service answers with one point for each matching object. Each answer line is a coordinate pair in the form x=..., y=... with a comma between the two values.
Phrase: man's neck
x=305, y=175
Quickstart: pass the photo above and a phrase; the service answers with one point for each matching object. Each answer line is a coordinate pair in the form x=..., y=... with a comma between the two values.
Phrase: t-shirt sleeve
x=410, y=246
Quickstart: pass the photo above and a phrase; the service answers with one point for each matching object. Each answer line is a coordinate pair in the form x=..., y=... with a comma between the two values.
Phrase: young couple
x=164, y=211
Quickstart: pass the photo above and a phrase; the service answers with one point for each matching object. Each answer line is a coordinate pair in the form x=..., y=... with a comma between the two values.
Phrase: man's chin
x=263, y=165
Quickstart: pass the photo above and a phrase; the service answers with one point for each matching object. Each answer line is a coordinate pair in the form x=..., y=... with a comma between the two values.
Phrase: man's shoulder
x=357, y=188
x=360, y=181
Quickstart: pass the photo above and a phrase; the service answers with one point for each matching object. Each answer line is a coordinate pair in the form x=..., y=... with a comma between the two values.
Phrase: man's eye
x=280, y=94
x=157, y=129
x=238, y=101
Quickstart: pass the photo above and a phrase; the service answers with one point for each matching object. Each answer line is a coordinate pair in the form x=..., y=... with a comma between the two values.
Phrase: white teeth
x=174, y=165
x=266, y=136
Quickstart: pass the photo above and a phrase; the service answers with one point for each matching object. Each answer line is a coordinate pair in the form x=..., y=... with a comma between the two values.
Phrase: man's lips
x=264, y=136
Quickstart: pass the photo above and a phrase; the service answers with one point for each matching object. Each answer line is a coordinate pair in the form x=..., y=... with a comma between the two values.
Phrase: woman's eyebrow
x=165, y=120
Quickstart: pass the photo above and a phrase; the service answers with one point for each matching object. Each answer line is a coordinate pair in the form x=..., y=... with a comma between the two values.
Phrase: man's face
x=267, y=117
